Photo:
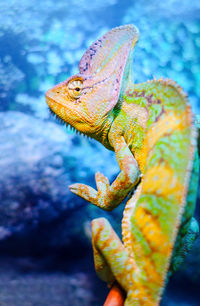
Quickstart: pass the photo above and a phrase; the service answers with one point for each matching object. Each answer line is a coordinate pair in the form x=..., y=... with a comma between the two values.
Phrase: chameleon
x=150, y=128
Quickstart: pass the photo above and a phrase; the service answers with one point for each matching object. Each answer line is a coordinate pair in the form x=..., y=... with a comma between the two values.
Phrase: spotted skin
x=150, y=128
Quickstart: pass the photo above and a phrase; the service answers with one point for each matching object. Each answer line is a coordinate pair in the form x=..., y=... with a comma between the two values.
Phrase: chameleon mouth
x=49, y=100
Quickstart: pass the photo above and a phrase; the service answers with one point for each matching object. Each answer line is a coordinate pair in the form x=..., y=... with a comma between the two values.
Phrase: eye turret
x=75, y=88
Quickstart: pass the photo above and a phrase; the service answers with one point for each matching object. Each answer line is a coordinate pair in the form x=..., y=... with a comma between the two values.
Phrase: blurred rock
x=54, y=288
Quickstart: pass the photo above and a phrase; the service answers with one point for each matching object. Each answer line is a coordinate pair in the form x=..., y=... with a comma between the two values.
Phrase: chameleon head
x=84, y=100
x=64, y=100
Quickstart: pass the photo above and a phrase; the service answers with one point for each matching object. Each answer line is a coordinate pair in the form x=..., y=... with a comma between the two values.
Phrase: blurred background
x=45, y=247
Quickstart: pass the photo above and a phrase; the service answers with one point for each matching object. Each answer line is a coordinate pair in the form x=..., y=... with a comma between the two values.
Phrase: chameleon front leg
x=110, y=196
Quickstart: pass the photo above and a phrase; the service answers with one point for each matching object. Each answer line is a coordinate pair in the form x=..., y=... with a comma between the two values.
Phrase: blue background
x=46, y=256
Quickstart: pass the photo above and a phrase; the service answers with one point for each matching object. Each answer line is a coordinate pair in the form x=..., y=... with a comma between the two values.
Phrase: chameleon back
x=157, y=208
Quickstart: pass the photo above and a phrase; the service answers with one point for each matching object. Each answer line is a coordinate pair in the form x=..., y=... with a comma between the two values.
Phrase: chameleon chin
x=150, y=128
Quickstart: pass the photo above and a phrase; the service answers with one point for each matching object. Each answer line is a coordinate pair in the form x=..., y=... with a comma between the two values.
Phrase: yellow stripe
x=161, y=180
x=167, y=124
x=152, y=232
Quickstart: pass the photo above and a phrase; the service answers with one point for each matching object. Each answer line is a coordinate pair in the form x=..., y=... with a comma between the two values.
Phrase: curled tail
x=170, y=145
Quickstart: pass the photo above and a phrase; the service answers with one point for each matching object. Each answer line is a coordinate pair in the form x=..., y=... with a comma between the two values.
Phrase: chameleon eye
x=75, y=88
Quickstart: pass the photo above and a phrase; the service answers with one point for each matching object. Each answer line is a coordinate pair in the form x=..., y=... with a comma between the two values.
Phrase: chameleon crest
x=150, y=128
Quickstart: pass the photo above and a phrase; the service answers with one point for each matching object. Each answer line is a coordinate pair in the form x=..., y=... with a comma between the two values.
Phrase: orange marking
x=152, y=274
x=97, y=231
x=106, y=243
x=141, y=157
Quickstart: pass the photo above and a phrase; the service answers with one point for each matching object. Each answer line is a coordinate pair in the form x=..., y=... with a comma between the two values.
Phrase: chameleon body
x=150, y=128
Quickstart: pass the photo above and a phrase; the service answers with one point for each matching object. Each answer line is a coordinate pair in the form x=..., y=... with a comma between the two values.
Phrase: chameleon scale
x=150, y=128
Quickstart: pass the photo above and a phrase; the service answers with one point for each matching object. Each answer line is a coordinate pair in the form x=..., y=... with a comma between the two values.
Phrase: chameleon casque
x=150, y=128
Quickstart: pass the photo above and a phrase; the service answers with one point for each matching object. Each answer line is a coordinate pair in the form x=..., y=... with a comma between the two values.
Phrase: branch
x=116, y=296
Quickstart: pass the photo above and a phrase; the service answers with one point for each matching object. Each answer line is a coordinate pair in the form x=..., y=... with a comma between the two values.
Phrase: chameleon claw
x=102, y=182
x=84, y=191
